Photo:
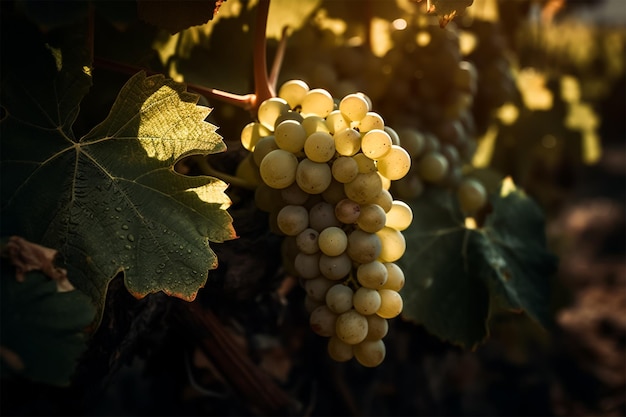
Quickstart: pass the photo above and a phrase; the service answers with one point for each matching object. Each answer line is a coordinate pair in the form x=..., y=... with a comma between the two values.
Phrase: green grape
x=347, y=142
x=395, y=277
x=293, y=194
x=375, y=144
x=290, y=136
x=347, y=211
x=317, y=102
x=278, y=168
x=351, y=327
x=366, y=300
x=371, y=121
x=313, y=177
x=252, y=133
x=432, y=167
x=370, y=353
x=306, y=241
x=400, y=216
x=393, y=244
x=363, y=247
x=390, y=304
x=338, y=350
x=384, y=200
x=364, y=188
x=413, y=141
x=335, y=267
x=372, y=275
x=372, y=218
x=319, y=147
x=293, y=91
x=323, y=321
x=264, y=146
x=307, y=265
x=339, y=298
x=270, y=110
x=334, y=193
x=395, y=164
x=472, y=195
x=292, y=220
x=317, y=287
x=344, y=169
x=322, y=215
x=377, y=327
x=354, y=106
x=332, y=241
x=364, y=164
x=312, y=124
x=336, y=122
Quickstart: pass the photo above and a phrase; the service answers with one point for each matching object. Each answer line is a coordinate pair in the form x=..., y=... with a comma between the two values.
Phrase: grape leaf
x=42, y=330
x=456, y=274
x=110, y=201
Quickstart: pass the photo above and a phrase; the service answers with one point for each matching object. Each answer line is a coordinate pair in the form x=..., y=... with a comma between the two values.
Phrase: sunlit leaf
x=111, y=201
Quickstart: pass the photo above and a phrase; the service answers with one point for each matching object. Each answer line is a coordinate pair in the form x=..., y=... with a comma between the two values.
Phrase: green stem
x=208, y=169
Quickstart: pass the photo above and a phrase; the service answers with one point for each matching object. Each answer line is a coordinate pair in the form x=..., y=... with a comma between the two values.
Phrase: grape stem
x=210, y=170
x=264, y=85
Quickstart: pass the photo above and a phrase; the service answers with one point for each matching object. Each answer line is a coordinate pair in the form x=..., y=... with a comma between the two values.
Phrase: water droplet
x=180, y=247
x=131, y=237
x=118, y=209
x=161, y=265
x=128, y=247
x=189, y=251
x=158, y=271
x=122, y=237
x=125, y=226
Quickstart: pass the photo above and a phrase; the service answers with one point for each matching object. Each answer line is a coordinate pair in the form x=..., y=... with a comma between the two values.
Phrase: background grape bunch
x=323, y=170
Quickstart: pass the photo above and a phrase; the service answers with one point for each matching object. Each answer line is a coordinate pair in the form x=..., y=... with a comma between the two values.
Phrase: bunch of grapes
x=324, y=169
x=425, y=86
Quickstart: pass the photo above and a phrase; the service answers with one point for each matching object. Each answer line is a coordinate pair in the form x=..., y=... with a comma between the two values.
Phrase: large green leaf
x=455, y=274
x=111, y=201
x=42, y=330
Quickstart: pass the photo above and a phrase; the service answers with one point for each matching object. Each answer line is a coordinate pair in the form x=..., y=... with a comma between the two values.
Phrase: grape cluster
x=426, y=87
x=325, y=168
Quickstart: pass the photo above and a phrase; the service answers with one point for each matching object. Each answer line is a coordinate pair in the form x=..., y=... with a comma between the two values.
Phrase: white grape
x=292, y=219
x=338, y=350
x=306, y=241
x=317, y=102
x=319, y=147
x=270, y=110
x=372, y=275
x=290, y=136
x=332, y=241
x=372, y=218
x=363, y=247
x=278, y=168
x=400, y=215
x=376, y=143
x=390, y=304
x=252, y=133
x=347, y=142
x=293, y=91
x=395, y=164
x=370, y=353
x=344, y=169
x=395, y=277
x=393, y=244
x=351, y=327
x=323, y=321
x=354, y=106
x=307, y=265
x=366, y=300
x=339, y=298
x=335, y=267
x=313, y=177
x=364, y=188
x=347, y=211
